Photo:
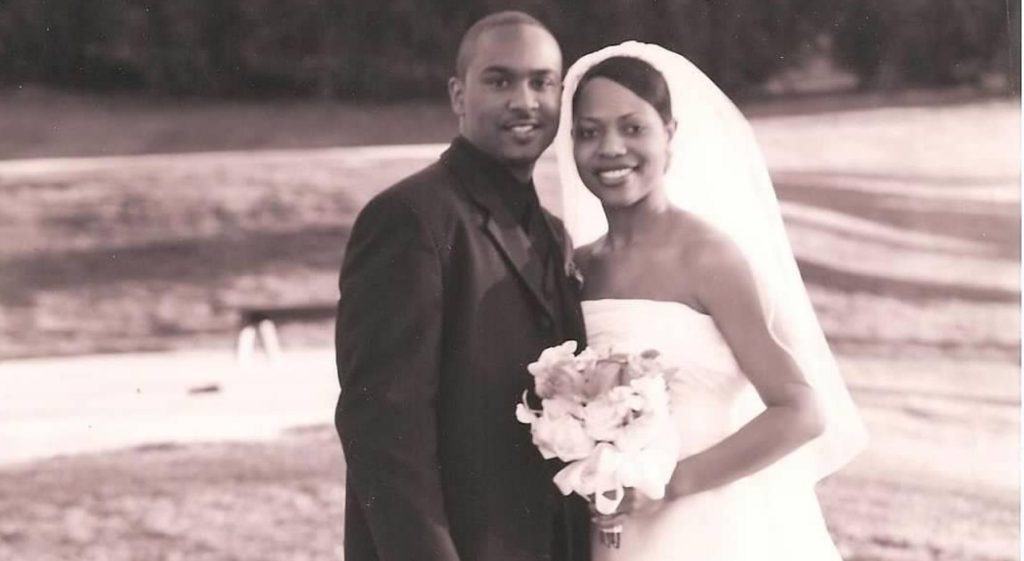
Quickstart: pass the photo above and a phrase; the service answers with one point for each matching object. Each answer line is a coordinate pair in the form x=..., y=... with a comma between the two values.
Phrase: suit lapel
x=564, y=252
x=515, y=246
x=571, y=282
x=503, y=230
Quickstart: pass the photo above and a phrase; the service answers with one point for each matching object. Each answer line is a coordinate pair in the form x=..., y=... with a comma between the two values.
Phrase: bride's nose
x=611, y=145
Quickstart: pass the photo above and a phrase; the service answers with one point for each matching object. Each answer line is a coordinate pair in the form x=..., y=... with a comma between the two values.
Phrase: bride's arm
x=726, y=289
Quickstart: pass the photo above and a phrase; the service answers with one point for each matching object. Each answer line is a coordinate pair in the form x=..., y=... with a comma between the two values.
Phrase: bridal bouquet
x=607, y=416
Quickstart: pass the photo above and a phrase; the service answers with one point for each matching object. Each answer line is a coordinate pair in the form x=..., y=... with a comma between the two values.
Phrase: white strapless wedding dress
x=772, y=515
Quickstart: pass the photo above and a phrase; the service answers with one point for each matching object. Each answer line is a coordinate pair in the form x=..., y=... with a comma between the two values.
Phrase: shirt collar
x=491, y=180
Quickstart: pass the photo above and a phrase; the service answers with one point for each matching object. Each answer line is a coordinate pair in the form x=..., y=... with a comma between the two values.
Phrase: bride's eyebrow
x=600, y=118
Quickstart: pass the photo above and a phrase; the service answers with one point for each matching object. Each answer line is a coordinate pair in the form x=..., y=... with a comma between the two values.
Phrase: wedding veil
x=718, y=173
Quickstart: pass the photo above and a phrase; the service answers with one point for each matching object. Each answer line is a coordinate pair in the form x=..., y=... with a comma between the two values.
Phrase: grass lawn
x=158, y=252
x=905, y=220
x=284, y=499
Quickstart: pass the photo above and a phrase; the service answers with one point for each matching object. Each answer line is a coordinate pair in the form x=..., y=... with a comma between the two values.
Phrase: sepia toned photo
x=547, y=280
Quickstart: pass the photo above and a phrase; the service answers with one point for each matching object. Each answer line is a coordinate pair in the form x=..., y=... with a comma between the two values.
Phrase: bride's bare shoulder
x=704, y=247
x=585, y=253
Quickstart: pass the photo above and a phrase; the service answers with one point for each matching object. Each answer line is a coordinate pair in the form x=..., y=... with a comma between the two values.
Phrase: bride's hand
x=633, y=503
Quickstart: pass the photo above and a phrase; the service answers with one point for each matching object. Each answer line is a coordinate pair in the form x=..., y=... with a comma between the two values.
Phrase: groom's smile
x=524, y=130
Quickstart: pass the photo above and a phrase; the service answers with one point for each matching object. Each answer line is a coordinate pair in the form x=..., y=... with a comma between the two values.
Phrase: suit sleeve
x=388, y=340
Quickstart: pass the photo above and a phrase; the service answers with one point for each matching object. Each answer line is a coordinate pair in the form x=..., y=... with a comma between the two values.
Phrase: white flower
x=552, y=357
x=601, y=377
x=648, y=470
x=605, y=417
x=648, y=363
x=653, y=391
x=637, y=435
x=525, y=415
x=562, y=437
x=556, y=373
x=559, y=406
x=586, y=359
x=595, y=475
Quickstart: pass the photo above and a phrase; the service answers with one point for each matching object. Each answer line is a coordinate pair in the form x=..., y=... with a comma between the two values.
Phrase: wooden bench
x=258, y=324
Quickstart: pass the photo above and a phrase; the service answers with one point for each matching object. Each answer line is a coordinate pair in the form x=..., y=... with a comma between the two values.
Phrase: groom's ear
x=456, y=95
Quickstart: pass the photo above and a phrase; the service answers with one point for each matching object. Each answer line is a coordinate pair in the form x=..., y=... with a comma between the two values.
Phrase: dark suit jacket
x=441, y=310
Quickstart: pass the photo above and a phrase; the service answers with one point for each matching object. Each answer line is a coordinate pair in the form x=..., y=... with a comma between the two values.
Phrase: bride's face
x=620, y=143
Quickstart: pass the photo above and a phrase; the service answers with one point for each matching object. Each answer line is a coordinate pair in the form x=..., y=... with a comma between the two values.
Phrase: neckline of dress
x=648, y=301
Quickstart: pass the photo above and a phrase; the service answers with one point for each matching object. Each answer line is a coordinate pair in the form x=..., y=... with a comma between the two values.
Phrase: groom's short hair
x=498, y=19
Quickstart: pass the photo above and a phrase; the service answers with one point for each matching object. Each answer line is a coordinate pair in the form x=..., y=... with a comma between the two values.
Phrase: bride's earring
x=670, y=127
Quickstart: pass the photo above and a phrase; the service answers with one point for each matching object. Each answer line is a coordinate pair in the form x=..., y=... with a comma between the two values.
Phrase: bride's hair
x=637, y=76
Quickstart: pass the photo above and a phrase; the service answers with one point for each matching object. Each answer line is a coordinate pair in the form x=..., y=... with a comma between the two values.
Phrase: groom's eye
x=542, y=83
x=498, y=82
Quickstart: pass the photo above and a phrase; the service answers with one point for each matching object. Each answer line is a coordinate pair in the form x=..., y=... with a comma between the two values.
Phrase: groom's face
x=508, y=99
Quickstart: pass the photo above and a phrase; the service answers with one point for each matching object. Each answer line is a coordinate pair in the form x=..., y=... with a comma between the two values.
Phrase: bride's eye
x=584, y=133
x=634, y=129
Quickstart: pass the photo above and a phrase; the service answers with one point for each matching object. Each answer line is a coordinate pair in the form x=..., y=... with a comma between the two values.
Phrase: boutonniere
x=573, y=272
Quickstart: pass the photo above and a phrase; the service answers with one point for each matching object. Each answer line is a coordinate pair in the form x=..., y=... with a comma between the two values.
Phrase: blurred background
x=403, y=49
x=172, y=171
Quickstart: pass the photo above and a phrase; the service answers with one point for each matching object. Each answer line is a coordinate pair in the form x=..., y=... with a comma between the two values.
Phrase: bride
x=691, y=258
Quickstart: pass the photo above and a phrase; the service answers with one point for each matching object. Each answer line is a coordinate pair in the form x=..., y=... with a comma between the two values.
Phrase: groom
x=454, y=280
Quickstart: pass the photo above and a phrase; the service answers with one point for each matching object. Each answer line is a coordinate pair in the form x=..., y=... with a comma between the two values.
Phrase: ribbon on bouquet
x=607, y=471
x=596, y=475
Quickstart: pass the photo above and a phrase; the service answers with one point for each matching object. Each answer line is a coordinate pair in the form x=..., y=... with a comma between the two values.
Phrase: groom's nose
x=523, y=97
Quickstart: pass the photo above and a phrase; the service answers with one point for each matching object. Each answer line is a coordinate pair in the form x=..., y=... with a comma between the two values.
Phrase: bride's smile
x=615, y=176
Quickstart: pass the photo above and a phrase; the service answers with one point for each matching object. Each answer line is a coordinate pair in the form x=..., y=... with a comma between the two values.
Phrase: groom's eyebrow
x=498, y=69
x=546, y=73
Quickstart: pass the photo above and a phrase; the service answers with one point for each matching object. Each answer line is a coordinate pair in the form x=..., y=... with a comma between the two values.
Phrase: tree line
x=356, y=49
